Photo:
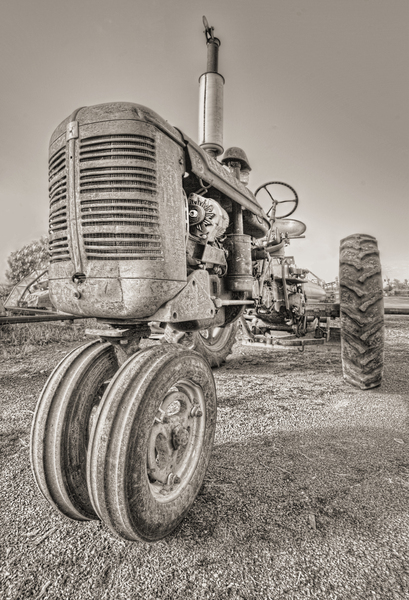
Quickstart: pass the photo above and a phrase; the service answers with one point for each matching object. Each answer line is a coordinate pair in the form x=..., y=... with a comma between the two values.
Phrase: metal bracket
x=125, y=341
x=208, y=30
x=72, y=130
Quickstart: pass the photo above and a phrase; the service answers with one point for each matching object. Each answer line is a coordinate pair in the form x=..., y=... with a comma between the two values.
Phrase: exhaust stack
x=211, y=98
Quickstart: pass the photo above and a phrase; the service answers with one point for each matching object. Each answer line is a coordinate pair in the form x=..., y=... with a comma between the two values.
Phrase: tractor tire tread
x=216, y=355
x=361, y=311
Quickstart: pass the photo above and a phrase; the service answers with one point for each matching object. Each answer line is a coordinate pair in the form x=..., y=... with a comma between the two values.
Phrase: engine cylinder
x=239, y=275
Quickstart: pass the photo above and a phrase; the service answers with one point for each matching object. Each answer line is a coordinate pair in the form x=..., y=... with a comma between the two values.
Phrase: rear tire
x=215, y=343
x=361, y=311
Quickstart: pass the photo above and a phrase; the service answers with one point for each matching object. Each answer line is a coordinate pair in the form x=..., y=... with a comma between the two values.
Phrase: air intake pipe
x=211, y=98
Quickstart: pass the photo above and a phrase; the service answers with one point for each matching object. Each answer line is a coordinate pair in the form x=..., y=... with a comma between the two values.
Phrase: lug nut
x=172, y=479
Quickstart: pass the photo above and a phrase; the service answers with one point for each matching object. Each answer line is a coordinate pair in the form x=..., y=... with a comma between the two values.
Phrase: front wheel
x=61, y=426
x=151, y=442
x=362, y=311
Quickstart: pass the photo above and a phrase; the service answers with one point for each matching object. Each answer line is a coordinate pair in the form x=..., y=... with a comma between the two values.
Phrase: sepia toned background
x=316, y=94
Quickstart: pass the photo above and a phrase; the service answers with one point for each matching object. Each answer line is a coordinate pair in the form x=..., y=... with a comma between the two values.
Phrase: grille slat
x=94, y=190
x=134, y=251
x=120, y=236
x=60, y=183
x=122, y=257
x=126, y=146
x=56, y=209
x=57, y=200
x=107, y=245
x=143, y=213
x=109, y=184
x=59, y=246
x=58, y=157
x=58, y=194
x=58, y=242
x=121, y=169
x=119, y=223
x=57, y=163
x=85, y=179
x=117, y=156
x=115, y=201
x=121, y=136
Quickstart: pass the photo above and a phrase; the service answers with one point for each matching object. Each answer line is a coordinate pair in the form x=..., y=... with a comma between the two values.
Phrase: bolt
x=77, y=295
x=177, y=479
x=196, y=412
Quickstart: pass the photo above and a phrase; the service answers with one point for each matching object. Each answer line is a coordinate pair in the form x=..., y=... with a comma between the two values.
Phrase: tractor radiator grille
x=118, y=147
x=58, y=239
x=123, y=246
x=118, y=210
x=120, y=179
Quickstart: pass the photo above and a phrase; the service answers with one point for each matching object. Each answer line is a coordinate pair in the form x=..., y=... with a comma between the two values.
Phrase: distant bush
x=402, y=292
x=24, y=338
x=5, y=290
x=29, y=258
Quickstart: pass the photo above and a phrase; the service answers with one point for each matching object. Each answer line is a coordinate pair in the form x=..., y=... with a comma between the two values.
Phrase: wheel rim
x=212, y=336
x=175, y=441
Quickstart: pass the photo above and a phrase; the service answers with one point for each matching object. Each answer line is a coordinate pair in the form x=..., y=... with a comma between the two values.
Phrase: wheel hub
x=174, y=440
x=180, y=437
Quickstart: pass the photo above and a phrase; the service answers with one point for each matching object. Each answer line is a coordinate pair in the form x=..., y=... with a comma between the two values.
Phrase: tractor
x=146, y=225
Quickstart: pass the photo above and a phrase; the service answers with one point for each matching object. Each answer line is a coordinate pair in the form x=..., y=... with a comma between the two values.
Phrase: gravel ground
x=306, y=495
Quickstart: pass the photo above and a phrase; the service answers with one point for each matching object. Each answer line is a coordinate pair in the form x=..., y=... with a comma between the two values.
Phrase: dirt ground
x=306, y=495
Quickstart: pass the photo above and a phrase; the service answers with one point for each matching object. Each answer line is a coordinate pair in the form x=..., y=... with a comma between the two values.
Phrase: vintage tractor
x=146, y=225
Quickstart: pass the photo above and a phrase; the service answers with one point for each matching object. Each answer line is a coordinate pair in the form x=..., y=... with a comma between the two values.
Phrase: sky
x=316, y=93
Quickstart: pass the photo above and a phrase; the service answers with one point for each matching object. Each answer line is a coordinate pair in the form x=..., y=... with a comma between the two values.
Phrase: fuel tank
x=117, y=212
x=314, y=292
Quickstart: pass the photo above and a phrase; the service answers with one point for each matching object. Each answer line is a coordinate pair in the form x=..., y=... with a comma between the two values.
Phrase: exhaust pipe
x=211, y=98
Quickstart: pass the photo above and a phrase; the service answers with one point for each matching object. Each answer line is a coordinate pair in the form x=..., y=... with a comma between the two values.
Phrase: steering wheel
x=276, y=202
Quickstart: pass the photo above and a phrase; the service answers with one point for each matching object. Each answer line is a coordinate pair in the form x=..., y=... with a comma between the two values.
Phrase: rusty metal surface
x=239, y=276
x=192, y=303
x=125, y=341
x=116, y=213
x=121, y=110
x=213, y=172
x=323, y=309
